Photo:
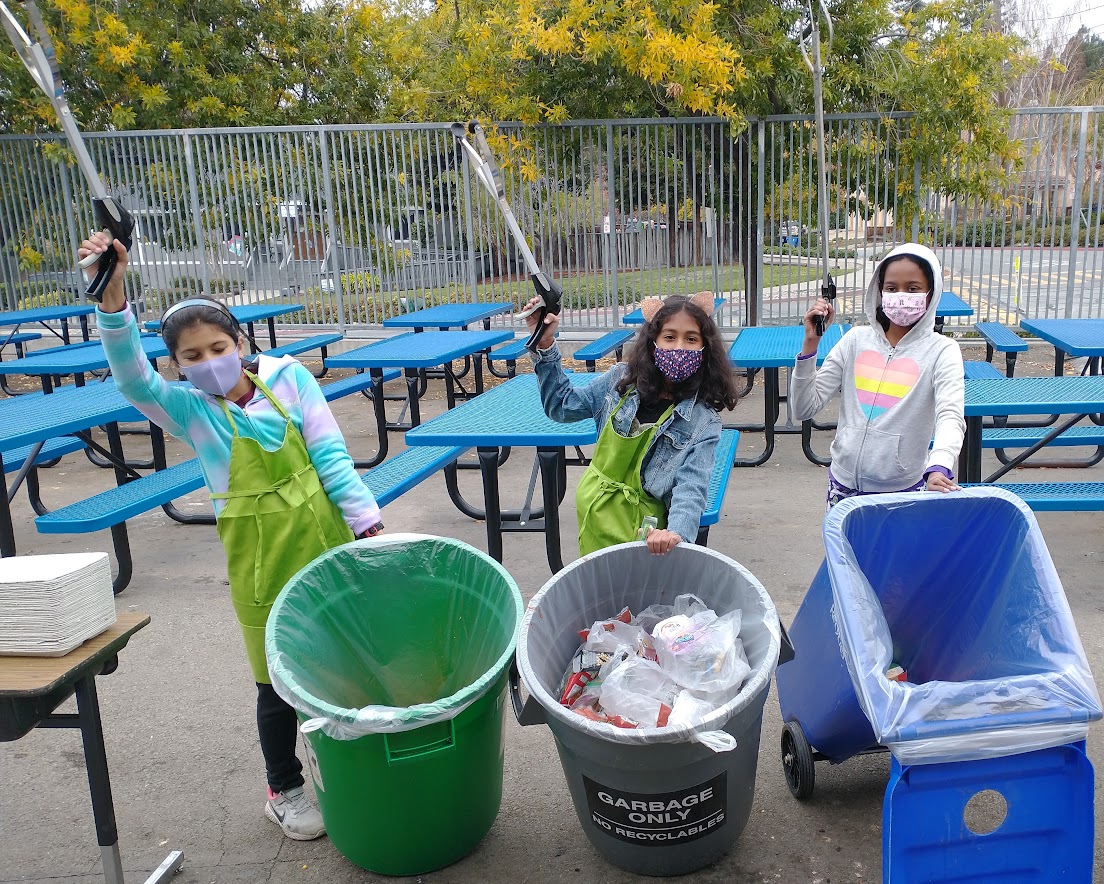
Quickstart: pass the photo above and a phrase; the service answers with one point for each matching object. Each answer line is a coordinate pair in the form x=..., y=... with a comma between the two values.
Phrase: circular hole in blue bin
x=985, y=812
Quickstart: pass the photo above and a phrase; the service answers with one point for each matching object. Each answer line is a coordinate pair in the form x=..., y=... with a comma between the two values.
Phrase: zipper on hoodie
x=866, y=429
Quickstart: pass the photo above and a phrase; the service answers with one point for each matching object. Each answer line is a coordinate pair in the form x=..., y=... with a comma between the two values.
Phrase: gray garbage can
x=655, y=801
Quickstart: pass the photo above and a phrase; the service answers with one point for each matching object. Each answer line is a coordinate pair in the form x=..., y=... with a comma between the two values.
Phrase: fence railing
x=361, y=222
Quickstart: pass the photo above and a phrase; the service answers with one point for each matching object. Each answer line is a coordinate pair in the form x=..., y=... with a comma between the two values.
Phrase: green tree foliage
x=152, y=64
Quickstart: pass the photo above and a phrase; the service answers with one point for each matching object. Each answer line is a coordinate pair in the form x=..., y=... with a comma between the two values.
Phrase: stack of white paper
x=49, y=605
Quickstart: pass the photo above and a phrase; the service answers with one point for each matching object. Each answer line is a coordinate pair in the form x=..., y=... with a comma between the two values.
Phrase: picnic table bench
x=999, y=337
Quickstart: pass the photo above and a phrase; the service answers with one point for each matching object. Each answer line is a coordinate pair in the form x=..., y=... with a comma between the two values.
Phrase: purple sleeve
x=943, y=471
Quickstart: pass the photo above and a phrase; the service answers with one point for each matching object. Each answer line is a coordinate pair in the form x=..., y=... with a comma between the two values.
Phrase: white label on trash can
x=659, y=818
x=312, y=764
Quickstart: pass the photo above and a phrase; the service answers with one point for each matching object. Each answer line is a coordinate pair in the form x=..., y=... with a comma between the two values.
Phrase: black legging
x=277, y=727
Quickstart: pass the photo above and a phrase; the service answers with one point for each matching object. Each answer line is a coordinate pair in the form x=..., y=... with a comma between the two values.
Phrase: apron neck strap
x=267, y=393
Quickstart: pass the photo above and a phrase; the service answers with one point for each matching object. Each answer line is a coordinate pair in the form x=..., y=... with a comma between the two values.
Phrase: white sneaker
x=293, y=812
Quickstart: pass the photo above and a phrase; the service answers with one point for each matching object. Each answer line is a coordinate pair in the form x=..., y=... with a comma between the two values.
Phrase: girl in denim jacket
x=658, y=422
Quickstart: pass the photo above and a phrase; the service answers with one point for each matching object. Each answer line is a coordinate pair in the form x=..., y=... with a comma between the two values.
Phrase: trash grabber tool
x=41, y=62
x=810, y=50
x=486, y=170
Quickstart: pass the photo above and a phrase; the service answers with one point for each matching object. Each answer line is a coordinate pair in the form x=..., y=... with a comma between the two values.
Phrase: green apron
x=610, y=500
x=277, y=519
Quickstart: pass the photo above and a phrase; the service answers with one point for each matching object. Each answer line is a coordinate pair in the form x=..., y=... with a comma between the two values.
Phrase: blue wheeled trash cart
x=958, y=591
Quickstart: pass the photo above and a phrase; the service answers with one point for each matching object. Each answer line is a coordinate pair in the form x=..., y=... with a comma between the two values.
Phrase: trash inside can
x=394, y=652
x=960, y=592
x=652, y=800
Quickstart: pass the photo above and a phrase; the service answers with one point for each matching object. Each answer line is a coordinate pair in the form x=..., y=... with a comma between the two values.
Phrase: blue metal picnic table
x=771, y=349
x=510, y=415
x=248, y=314
x=1076, y=396
x=449, y=316
x=636, y=317
x=446, y=316
x=42, y=315
x=412, y=352
x=1076, y=337
x=75, y=359
x=950, y=304
x=37, y=417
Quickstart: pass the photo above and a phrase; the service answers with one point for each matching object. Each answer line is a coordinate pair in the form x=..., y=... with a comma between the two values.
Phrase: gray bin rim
x=758, y=681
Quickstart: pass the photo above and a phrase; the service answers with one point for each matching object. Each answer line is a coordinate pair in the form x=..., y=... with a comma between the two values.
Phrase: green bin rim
x=432, y=711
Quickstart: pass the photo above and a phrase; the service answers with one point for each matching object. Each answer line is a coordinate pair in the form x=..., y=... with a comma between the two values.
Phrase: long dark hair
x=924, y=266
x=197, y=311
x=713, y=382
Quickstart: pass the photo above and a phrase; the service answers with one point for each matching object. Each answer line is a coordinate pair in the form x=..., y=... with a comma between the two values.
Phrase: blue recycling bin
x=960, y=591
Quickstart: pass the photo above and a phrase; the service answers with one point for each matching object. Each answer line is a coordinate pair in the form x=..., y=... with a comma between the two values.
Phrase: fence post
x=331, y=222
x=916, y=195
x=197, y=217
x=1075, y=213
x=611, y=237
x=469, y=225
x=755, y=301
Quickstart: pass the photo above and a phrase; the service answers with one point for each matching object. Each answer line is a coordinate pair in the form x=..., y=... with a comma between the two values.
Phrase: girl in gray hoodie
x=901, y=385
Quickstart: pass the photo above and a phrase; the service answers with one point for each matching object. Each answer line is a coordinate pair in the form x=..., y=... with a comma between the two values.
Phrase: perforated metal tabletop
x=1008, y=396
x=449, y=315
x=35, y=417
x=76, y=358
x=46, y=314
x=777, y=347
x=1077, y=337
x=419, y=350
x=509, y=415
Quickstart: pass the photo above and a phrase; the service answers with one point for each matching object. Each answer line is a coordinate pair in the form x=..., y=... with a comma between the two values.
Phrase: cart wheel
x=797, y=761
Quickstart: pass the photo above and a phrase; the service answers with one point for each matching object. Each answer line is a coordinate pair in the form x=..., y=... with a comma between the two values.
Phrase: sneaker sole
x=294, y=836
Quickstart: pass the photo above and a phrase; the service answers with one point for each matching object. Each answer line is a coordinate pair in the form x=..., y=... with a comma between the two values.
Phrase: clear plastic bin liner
x=596, y=586
x=960, y=590
x=391, y=633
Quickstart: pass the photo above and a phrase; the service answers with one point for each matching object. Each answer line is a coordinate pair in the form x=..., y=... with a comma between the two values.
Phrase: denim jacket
x=679, y=462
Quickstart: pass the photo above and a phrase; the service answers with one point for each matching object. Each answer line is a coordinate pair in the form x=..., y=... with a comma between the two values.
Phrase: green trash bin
x=394, y=653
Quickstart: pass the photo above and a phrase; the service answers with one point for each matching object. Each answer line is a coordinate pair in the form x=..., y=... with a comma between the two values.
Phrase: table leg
x=477, y=361
x=380, y=413
x=84, y=327
x=95, y=756
x=770, y=417
x=488, y=466
x=412, y=381
x=551, y=464
x=65, y=331
x=1059, y=362
x=7, y=530
x=969, y=458
x=251, y=336
x=272, y=331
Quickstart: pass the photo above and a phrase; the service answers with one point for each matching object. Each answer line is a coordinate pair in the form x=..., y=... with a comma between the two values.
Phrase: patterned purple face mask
x=677, y=365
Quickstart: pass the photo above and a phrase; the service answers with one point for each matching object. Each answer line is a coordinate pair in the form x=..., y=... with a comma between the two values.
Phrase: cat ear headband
x=649, y=307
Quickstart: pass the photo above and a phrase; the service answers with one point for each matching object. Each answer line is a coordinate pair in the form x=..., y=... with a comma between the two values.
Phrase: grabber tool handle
x=551, y=301
x=828, y=293
x=119, y=225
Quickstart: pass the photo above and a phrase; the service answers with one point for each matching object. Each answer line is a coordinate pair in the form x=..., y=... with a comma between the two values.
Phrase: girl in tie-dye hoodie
x=282, y=483
x=901, y=385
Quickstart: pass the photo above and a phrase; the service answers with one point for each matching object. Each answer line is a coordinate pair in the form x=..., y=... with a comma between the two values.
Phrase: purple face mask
x=677, y=365
x=216, y=376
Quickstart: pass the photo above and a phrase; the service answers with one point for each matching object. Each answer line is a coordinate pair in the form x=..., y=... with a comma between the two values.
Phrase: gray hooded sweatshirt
x=894, y=401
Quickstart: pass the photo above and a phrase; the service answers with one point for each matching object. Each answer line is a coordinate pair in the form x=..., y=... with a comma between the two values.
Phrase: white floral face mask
x=904, y=308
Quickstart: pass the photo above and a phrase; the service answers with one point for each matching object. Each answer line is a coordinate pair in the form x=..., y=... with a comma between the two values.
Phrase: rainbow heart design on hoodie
x=880, y=384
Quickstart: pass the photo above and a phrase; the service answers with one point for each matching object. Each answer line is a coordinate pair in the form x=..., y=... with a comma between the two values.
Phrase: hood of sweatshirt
x=926, y=324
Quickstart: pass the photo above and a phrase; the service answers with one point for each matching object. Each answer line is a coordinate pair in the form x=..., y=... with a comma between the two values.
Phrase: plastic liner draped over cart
x=960, y=591
x=391, y=634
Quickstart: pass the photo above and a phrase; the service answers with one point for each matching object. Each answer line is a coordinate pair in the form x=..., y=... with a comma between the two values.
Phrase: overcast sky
x=1089, y=13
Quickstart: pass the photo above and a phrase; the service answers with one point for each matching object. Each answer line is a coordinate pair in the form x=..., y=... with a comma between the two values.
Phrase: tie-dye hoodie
x=196, y=418
x=894, y=401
